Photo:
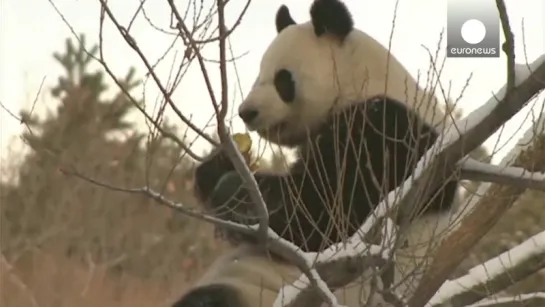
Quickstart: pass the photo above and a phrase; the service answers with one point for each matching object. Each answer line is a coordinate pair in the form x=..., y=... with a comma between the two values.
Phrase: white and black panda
x=359, y=122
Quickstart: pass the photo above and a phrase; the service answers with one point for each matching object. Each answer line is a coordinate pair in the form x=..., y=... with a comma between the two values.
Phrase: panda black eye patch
x=285, y=86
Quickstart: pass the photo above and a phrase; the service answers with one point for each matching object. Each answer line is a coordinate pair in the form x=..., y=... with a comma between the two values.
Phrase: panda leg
x=211, y=296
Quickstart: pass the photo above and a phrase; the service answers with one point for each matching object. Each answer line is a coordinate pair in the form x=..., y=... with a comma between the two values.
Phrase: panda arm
x=209, y=173
x=222, y=190
x=220, y=186
x=394, y=125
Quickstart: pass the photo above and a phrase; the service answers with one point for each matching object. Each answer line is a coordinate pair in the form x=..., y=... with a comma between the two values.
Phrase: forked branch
x=494, y=275
x=474, y=170
x=496, y=200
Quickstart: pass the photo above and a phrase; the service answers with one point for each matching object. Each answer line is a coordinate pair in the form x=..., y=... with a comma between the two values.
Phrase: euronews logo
x=473, y=29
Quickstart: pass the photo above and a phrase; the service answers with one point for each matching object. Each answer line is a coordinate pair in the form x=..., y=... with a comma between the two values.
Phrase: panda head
x=312, y=68
x=296, y=87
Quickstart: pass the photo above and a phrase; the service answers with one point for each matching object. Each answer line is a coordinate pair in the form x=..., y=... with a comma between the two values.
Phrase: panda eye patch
x=285, y=86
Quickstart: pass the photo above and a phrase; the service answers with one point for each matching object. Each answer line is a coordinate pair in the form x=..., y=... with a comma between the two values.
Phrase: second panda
x=360, y=123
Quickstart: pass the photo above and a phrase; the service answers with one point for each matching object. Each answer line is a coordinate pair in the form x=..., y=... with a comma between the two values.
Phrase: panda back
x=372, y=70
x=358, y=155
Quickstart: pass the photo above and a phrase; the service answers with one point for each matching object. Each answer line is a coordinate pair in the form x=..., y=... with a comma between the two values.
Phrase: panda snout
x=248, y=115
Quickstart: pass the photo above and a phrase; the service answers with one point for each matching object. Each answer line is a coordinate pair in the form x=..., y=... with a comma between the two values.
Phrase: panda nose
x=248, y=115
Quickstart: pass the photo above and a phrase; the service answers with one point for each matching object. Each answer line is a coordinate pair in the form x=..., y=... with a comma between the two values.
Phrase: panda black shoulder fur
x=359, y=122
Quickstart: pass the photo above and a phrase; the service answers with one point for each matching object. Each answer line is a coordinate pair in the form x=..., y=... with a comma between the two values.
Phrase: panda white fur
x=360, y=123
x=243, y=277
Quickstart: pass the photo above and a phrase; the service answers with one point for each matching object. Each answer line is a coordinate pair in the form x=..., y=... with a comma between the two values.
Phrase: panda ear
x=283, y=19
x=331, y=16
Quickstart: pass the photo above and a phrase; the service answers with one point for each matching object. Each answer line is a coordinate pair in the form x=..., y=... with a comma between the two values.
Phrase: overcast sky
x=32, y=29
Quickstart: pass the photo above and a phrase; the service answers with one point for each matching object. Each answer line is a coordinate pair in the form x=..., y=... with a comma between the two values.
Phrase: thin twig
x=488, y=210
x=106, y=67
x=494, y=275
x=132, y=43
x=231, y=149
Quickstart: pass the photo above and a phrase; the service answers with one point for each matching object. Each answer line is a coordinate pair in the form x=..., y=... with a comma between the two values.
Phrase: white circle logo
x=473, y=31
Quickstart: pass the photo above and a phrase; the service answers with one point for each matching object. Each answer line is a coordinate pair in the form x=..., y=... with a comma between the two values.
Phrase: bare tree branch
x=521, y=86
x=494, y=275
x=354, y=258
x=228, y=143
x=133, y=44
x=527, y=300
x=119, y=84
x=474, y=170
x=488, y=210
x=232, y=150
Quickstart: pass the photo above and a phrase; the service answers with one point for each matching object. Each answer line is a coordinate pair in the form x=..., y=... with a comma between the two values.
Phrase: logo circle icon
x=473, y=31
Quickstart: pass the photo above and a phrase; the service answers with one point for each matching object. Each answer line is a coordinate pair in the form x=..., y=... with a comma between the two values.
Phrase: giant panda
x=359, y=123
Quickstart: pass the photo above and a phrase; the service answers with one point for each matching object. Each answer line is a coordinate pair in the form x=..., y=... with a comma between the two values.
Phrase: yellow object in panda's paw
x=243, y=141
x=244, y=144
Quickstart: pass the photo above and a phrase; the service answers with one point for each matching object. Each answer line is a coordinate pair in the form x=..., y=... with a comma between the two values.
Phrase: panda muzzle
x=248, y=115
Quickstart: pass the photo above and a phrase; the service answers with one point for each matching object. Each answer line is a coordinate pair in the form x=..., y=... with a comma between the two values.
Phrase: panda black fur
x=359, y=122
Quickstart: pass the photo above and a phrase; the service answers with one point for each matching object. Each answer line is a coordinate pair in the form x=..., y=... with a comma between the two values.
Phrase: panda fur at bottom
x=321, y=89
x=244, y=276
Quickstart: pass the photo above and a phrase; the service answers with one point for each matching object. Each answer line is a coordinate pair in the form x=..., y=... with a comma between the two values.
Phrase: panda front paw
x=231, y=202
x=210, y=171
x=218, y=159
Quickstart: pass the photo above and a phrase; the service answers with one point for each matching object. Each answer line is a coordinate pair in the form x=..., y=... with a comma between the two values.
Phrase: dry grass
x=66, y=242
x=49, y=279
